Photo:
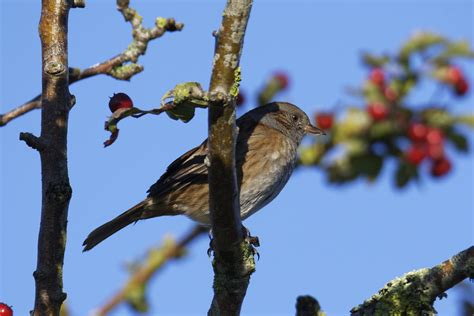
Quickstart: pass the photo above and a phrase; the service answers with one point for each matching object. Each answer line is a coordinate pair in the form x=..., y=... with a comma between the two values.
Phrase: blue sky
x=339, y=244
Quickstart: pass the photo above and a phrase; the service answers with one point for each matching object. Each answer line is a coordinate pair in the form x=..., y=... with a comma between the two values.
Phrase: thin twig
x=415, y=292
x=233, y=260
x=156, y=260
x=31, y=105
x=122, y=66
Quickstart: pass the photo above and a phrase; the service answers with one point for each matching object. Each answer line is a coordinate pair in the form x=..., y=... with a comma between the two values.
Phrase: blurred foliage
x=387, y=125
x=142, y=271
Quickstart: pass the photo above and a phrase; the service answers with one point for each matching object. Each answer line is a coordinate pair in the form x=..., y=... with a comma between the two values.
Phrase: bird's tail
x=110, y=228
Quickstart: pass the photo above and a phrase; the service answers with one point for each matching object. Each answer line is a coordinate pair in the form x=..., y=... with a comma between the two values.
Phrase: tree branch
x=33, y=141
x=308, y=306
x=31, y=105
x=122, y=66
x=233, y=261
x=141, y=276
x=415, y=292
x=56, y=190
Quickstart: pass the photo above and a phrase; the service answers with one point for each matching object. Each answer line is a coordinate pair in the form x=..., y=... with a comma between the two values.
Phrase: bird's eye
x=295, y=118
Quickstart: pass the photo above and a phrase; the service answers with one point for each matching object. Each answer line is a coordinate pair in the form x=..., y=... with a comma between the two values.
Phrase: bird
x=266, y=152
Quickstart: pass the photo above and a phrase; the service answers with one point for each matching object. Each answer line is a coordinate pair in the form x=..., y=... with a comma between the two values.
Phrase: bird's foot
x=253, y=242
x=211, y=244
x=211, y=248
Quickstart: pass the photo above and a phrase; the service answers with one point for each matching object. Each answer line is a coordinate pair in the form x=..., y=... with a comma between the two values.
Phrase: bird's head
x=287, y=119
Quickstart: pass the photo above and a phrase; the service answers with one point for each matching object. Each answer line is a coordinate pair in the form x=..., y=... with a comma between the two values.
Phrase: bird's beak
x=313, y=130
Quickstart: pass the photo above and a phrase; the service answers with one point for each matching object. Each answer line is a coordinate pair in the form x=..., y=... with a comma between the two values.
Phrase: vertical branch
x=52, y=146
x=233, y=262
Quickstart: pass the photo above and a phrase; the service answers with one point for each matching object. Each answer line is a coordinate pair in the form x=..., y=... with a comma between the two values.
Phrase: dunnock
x=267, y=141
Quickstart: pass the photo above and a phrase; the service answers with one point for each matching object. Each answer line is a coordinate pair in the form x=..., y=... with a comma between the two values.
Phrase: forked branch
x=122, y=66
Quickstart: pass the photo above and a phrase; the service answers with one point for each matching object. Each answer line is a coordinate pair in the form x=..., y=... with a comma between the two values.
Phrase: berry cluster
x=391, y=125
x=428, y=142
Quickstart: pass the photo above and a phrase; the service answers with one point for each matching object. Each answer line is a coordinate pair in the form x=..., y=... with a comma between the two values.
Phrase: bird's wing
x=187, y=169
x=190, y=167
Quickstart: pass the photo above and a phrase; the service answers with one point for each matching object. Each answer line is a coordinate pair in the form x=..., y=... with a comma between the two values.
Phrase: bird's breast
x=266, y=170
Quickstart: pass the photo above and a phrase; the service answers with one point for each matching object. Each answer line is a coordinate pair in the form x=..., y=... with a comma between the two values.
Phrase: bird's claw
x=253, y=242
x=211, y=246
x=254, y=251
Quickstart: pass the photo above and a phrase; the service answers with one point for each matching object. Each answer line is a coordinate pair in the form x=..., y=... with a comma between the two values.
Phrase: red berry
x=454, y=74
x=417, y=132
x=377, y=111
x=436, y=151
x=461, y=87
x=240, y=99
x=434, y=136
x=441, y=167
x=377, y=77
x=120, y=101
x=416, y=154
x=324, y=120
x=5, y=310
x=390, y=94
x=282, y=79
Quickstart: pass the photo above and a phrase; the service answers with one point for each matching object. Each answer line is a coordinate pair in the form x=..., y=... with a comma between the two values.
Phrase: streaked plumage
x=266, y=147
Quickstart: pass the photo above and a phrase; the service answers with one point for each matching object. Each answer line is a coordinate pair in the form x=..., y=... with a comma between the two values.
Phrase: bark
x=307, y=306
x=415, y=292
x=52, y=146
x=122, y=66
x=233, y=257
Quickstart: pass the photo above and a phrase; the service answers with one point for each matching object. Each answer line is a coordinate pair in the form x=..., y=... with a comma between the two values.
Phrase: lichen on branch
x=233, y=257
x=415, y=292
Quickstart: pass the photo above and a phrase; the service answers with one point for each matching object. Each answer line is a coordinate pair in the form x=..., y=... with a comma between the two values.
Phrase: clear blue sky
x=339, y=244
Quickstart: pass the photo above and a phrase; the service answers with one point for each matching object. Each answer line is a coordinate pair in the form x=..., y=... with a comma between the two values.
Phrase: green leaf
x=437, y=117
x=375, y=61
x=453, y=50
x=340, y=171
x=405, y=173
x=467, y=119
x=459, y=141
x=184, y=112
x=189, y=92
x=369, y=165
x=372, y=92
x=420, y=41
x=383, y=129
x=355, y=123
x=311, y=155
x=407, y=83
x=186, y=97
